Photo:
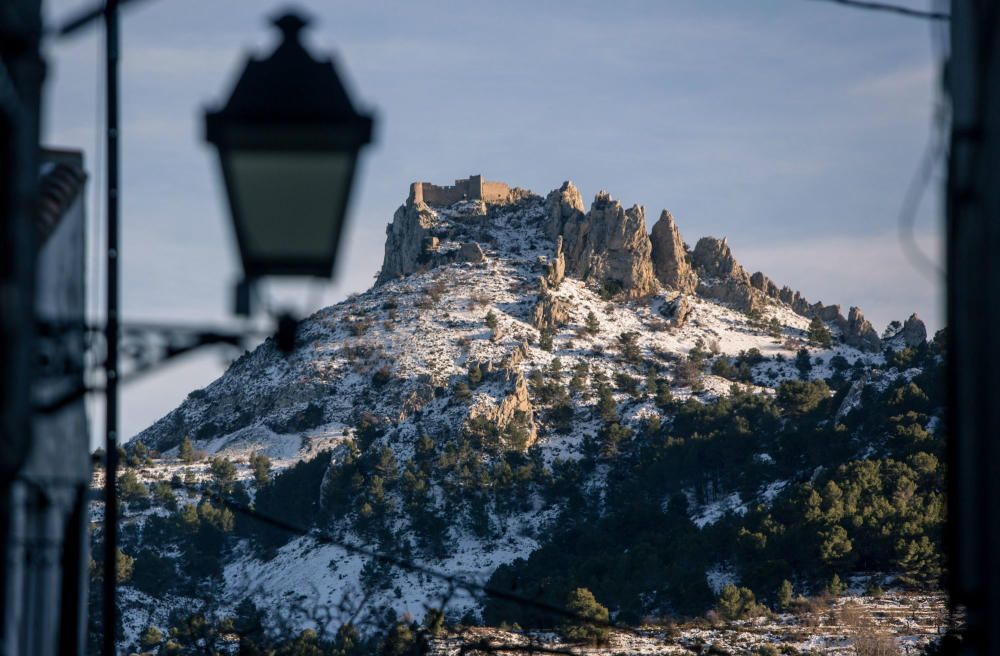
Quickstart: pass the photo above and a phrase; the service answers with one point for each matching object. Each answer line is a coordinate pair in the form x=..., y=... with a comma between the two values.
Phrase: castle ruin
x=474, y=188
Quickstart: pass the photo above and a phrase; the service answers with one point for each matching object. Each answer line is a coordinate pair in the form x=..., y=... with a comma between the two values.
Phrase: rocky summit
x=528, y=379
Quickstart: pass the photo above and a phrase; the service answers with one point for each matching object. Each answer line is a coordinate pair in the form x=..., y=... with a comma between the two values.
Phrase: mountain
x=543, y=396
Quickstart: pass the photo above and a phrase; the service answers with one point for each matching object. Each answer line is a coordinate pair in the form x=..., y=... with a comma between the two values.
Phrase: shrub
x=736, y=603
x=381, y=376
x=151, y=637
x=475, y=374
x=545, y=339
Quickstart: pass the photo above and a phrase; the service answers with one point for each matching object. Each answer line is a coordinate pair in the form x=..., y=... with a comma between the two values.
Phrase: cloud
x=909, y=82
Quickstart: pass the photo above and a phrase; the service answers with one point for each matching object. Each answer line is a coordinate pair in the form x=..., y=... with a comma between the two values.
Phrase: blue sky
x=792, y=127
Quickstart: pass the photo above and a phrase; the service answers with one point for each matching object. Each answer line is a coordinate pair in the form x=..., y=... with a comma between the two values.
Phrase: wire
x=450, y=579
x=893, y=9
x=933, y=155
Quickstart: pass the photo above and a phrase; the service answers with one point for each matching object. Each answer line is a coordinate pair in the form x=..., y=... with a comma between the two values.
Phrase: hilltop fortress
x=607, y=246
x=474, y=188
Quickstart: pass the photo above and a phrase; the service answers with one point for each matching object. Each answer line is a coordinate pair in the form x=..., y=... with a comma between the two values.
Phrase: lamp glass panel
x=287, y=201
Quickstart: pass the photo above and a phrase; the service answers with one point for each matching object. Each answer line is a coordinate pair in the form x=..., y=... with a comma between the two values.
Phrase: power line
x=933, y=155
x=456, y=582
x=892, y=9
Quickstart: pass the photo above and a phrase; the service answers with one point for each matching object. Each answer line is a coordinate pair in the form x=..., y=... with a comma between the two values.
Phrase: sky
x=791, y=127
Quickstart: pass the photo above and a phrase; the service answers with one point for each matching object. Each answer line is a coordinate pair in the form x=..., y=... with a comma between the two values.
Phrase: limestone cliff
x=670, y=262
x=405, y=239
x=418, y=238
x=564, y=212
x=860, y=333
x=612, y=250
x=914, y=331
x=721, y=277
x=550, y=312
x=608, y=248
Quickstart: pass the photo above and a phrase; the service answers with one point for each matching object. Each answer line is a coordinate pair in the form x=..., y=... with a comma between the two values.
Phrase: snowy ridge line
x=452, y=580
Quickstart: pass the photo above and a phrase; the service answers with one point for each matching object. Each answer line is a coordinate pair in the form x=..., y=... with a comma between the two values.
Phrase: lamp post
x=288, y=140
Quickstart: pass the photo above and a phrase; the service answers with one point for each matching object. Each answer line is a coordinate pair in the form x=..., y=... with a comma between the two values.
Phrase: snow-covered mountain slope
x=394, y=350
x=452, y=346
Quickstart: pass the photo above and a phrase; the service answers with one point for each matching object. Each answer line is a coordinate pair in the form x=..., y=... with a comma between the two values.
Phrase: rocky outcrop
x=713, y=260
x=556, y=269
x=764, y=285
x=407, y=238
x=859, y=332
x=676, y=310
x=611, y=249
x=511, y=362
x=564, y=211
x=550, y=312
x=413, y=241
x=670, y=264
x=721, y=277
x=514, y=413
x=469, y=252
x=914, y=332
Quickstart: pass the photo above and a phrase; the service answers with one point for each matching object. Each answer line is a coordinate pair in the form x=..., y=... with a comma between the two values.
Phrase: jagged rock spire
x=669, y=256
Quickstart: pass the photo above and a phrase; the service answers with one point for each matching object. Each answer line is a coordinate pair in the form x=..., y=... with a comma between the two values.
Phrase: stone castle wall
x=473, y=188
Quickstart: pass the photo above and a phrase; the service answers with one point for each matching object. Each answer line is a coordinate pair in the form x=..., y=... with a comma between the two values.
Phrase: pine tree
x=774, y=327
x=664, y=396
x=835, y=586
x=186, y=452
x=607, y=409
x=130, y=488
x=919, y=561
x=140, y=455
x=434, y=621
x=651, y=382
x=545, y=339
x=260, y=464
x=593, y=325
x=835, y=545
x=785, y=595
x=819, y=334
x=630, y=347
x=590, y=623
x=803, y=363
x=399, y=641
x=736, y=603
x=491, y=320
x=165, y=496
x=223, y=473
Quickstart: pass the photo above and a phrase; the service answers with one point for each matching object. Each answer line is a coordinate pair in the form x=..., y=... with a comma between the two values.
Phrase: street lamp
x=288, y=141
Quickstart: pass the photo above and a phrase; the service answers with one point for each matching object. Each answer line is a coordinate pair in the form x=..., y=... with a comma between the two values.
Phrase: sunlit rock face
x=670, y=260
